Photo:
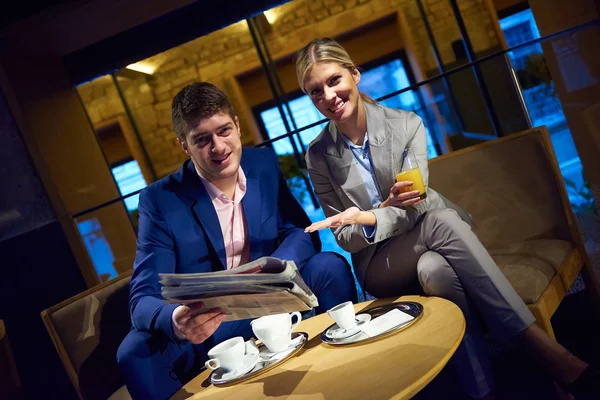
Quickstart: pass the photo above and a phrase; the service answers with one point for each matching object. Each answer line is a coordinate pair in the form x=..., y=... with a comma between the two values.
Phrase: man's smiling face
x=215, y=146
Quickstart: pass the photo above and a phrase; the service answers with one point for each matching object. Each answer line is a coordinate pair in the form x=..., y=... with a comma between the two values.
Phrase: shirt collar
x=351, y=145
x=214, y=192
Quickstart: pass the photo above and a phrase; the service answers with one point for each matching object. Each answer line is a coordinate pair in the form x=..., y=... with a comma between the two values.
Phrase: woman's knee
x=436, y=276
x=444, y=216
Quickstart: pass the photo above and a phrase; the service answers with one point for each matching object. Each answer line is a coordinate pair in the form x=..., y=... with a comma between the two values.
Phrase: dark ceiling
x=12, y=11
x=187, y=23
x=167, y=31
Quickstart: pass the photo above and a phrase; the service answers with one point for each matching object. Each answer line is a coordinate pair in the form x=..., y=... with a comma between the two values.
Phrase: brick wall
x=151, y=117
x=101, y=100
x=219, y=55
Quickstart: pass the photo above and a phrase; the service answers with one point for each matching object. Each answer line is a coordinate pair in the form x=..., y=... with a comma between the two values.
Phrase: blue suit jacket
x=179, y=232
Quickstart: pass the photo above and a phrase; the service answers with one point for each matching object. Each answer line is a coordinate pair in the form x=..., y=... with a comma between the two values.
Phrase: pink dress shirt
x=232, y=220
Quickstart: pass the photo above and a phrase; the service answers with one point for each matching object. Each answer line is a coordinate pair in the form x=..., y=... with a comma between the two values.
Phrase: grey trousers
x=442, y=257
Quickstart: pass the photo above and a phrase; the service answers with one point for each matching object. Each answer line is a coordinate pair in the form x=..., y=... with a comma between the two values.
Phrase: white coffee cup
x=275, y=331
x=343, y=314
x=228, y=355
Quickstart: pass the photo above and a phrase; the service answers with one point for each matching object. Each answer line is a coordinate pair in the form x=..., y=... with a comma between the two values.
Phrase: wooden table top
x=395, y=367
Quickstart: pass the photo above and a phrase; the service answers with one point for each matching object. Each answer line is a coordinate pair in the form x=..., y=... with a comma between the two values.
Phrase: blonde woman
x=400, y=243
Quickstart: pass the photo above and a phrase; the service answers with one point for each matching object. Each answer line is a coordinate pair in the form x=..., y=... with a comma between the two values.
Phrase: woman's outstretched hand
x=397, y=198
x=353, y=215
x=349, y=217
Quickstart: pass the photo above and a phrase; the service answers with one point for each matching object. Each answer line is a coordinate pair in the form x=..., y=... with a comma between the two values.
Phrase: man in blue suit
x=224, y=207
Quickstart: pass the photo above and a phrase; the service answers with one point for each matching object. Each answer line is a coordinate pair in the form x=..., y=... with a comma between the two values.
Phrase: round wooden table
x=395, y=367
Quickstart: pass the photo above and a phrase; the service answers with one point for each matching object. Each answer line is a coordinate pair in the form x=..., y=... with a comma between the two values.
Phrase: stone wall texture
x=217, y=57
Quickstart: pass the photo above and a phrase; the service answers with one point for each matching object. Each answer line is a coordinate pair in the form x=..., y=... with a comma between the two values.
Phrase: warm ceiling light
x=142, y=67
x=271, y=16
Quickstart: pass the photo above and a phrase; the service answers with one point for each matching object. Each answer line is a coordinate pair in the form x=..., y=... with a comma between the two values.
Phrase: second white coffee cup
x=275, y=331
x=343, y=314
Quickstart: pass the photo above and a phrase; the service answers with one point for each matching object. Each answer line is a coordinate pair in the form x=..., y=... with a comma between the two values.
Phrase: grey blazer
x=338, y=184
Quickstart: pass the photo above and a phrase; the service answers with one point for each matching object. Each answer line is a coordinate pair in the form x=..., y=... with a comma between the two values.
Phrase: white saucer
x=248, y=365
x=335, y=332
x=269, y=356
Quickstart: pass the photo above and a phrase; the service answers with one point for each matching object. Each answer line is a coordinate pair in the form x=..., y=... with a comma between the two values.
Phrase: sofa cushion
x=530, y=265
x=508, y=187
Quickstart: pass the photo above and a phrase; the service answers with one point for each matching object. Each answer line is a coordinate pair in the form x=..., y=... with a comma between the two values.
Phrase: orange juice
x=413, y=175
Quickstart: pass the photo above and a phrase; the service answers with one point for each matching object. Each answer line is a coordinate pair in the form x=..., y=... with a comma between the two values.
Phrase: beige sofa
x=513, y=189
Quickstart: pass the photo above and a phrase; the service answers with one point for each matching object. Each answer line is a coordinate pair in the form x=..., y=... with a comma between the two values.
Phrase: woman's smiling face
x=333, y=90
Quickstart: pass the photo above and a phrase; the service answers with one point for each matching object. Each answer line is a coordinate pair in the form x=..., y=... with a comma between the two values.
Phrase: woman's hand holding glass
x=399, y=197
x=349, y=217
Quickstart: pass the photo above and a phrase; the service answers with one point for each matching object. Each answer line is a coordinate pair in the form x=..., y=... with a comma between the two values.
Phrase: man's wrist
x=176, y=331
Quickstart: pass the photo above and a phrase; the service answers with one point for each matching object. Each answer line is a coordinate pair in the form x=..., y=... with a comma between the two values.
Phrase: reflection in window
x=520, y=28
x=540, y=97
x=129, y=178
x=98, y=248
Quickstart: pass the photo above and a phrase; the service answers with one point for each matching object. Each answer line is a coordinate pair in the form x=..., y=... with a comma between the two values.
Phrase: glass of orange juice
x=409, y=171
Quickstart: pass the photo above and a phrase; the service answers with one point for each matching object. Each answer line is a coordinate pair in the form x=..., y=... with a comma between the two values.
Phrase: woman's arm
x=390, y=219
x=350, y=237
x=417, y=143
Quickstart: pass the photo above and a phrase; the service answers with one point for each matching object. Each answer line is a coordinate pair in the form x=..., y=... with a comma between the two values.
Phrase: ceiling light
x=271, y=16
x=145, y=68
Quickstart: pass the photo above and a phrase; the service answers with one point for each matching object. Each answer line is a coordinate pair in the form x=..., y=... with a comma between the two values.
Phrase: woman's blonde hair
x=323, y=50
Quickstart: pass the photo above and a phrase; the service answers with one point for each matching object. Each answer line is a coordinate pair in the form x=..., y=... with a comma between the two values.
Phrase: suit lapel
x=252, y=211
x=383, y=154
x=204, y=211
x=345, y=169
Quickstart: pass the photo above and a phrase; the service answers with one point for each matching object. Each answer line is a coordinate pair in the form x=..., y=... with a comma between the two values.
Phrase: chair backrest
x=511, y=186
x=87, y=330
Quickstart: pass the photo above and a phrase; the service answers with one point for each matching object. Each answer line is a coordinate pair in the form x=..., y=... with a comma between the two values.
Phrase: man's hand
x=349, y=217
x=399, y=197
x=189, y=324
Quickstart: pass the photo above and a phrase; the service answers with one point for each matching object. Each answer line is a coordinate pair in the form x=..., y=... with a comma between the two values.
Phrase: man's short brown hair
x=198, y=101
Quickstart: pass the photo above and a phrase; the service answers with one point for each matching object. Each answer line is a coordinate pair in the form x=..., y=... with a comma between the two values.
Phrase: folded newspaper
x=262, y=287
